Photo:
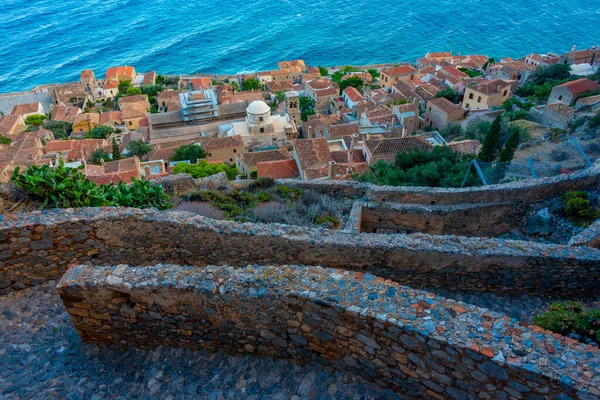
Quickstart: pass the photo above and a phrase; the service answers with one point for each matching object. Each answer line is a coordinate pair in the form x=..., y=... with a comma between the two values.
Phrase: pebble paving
x=43, y=357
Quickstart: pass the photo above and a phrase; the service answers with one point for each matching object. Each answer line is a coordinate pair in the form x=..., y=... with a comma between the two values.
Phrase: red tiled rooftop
x=280, y=169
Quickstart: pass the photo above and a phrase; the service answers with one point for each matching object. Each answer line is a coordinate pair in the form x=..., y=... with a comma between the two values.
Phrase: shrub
x=98, y=156
x=60, y=129
x=138, y=148
x=567, y=318
x=270, y=212
x=101, y=132
x=577, y=205
x=254, y=174
x=65, y=187
x=5, y=140
x=261, y=184
x=288, y=193
x=191, y=152
x=328, y=220
x=36, y=119
x=594, y=121
x=204, y=169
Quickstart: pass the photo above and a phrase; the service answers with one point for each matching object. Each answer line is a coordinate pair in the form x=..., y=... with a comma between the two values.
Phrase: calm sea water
x=44, y=41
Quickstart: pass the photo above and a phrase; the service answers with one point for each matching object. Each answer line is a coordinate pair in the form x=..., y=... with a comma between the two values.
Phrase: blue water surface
x=45, y=41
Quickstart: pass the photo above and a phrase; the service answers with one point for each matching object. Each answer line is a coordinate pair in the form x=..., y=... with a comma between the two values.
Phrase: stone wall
x=589, y=237
x=39, y=246
x=411, y=341
x=526, y=192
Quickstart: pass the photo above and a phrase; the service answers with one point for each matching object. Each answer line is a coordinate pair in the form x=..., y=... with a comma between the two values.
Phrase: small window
x=468, y=105
x=470, y=96
x=234, y=150
x=262, y=130
x=429, y=108
x=505, y=92
x=130, y=122
x=261, y=119
x=231, y=160
x=210, y=154
x=560, y=98
x=479, y=99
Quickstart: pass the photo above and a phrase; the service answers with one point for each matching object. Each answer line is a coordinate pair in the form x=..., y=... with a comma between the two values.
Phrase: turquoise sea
x=45, y=41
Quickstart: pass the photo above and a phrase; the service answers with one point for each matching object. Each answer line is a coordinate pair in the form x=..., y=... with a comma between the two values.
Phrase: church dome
x=258, y=107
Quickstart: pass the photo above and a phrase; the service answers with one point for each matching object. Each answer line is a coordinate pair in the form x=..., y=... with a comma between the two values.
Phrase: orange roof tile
x=279, y=169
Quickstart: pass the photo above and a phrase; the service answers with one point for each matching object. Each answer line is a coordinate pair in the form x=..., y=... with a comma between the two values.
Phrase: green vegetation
x=98, y=156
x=138, y=148
x=326, y=219
x=452, y=131
x=510, y=147
x=577, y=206
x=337, y=76
x=36, y=119
x=280, y=96
x=354, y=81
x=594, y=121
x=152, y=90
x=323, y=71
x=307, y=107
x=232, y=205
x=470, y=72
x=491, y=144
x=116, y=151
x=5, y=140
x=191, y=152
x=133, y=91
x=204, y=169
x=374, y=73
x=101, y=132
x=490, y=61
x=262, y=184
x=439, y=167
x=570, y=317
x=252, y=84
x=60, y=129
x=123, y=87
x=235, y=86
x=478, y=130
x=540, y=84
x=65, y=187
x=450, y=94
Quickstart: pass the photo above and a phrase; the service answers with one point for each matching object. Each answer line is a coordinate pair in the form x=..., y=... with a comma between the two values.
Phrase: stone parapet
x=411, y=341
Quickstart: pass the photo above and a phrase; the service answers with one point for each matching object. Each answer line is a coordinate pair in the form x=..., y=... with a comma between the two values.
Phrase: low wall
x=39, y=246
x=463, y=219
x=410, y=341
x=526, y=192
x=590, y=237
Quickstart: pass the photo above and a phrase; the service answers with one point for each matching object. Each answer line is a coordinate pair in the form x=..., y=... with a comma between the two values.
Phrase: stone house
x=322, y=91
x=110, y=89
x=381, y=115
x=223, y=150
x=386, y=149
x=168, y=100
x=11, y=124
x=569, y=92
x=120, y=74
x=86, y=122
x=246, y=162
x=518, y=71
x=312, y=157
x=26, y=149
x=441, y=111
x=404, y=73
x=279, y=169
x=75, y=150
x=352, y=96
x=64, y=113
x=588, y=56
x=149, y=78
x=541, y=60
x=557, y=115
x=25, y=110
x=133, y=109
x=486, y=95
x=112, y=119
x=88, y=79
x=408, y=117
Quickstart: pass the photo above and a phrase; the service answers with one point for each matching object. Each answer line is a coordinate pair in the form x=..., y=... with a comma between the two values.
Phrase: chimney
x=573, y=48
x=353, y=140
x=350, y=154
x=405, y=131
x=331, y=167
x=147, y=171
x=102, y=162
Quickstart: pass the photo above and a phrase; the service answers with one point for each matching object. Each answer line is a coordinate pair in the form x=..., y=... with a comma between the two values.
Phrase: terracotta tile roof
x=344, y=171
x=253, y=158
x=364, y=76
x=383, y=147
x=400, y=70
x=340, y=130
x=59, y=145
x=229, y=142
x=561, y=109
x=580, y=86
x=490, y=87
x=76, y=149
x=283, y=86
x=314, y=156
x=133, y=110
x=202, y=83
x=110, y=117
x=87, y=73
x=168, y=94
x=281, y=72
x=149, y=78
x=138, y=98
x=450, y=70
x=9, y=122
x=160, y=154
x=443, y=104
x=29, y=108
x=126, y=164
x=321, y=84
x=279, y=169
x=341, y=156
x=353, y=94
x=439, y=54
x=241, y=97
x=296, y=65
x=426, y=71
x=466, y=146
x=64, y=113
x=111, y=85
x=381, y=115
x=113, y=72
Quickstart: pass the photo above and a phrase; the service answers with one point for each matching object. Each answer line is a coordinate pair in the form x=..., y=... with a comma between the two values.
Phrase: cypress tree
x=508, y=152
x=491, y=142
x=116, y=152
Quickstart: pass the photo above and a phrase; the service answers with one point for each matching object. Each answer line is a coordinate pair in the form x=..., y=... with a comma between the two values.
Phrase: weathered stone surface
x=410, y=341
x=540, y=223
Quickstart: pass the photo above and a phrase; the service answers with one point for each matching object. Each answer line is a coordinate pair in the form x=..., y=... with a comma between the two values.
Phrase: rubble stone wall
x=411, y=341
x=40, y=246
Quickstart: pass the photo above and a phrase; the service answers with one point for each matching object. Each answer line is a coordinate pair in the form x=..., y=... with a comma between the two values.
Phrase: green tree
x=36, y=119
x=98, y=156
x=307, y=107
x=453, y=95
x=323, y=71
x=124, y=86
x=138, y=148
x=191, y=152
x=252, y=84
x=594, y=121
x=152, y=90
x=5, y=140
x=478, y=130
x=374, y=73
x=101, y=132
x=354, y=81
x=452, y=131
x=60, y=129
x=280, y=96
x=235, y=86
x=492, y=142
x=204, y=169
x=116, y=151
x=510, y=147
x=132, y=91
